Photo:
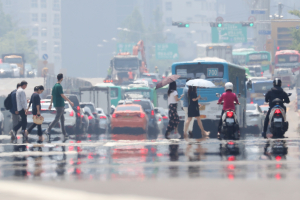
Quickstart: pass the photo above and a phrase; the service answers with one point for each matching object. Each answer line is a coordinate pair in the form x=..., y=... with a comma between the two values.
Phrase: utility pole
x=280, y=7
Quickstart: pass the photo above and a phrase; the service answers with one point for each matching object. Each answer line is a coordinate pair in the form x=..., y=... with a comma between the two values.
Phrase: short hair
x=18, y=85
x=24, y=83
x=188, y=79
x=36, y=88
x=60, y=76
x=41, y=87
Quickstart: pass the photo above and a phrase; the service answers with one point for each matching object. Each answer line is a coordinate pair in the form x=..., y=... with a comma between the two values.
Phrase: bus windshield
x=288, y=58
x=262, y=87
x=202, y=71
x=126, y=63
x=257, y=58
x=13, y=60
x=137, y=94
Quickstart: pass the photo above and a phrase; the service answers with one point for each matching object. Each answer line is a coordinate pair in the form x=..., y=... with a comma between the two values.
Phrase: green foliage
x=295, y=12
x=151, y=35
x=295, y=33
x=296, y=40
x=15, y=40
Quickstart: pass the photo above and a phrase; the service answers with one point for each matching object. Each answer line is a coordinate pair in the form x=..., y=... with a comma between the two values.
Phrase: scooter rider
x=228, y=99
x=275, y=92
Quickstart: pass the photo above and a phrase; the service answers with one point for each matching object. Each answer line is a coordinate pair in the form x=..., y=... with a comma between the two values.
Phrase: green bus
x=136, y=91
x=251, y=57
x=116, y=92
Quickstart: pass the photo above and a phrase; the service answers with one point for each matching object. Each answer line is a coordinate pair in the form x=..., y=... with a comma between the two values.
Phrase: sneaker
x=48, y=139
x=24, y=137
x=190, y=134
x=263, y=134
x=167, y=135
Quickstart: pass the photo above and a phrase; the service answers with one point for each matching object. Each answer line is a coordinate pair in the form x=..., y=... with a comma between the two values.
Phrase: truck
x=122, y=63
x=100, y=96
x=223, y=51
x=13, y=58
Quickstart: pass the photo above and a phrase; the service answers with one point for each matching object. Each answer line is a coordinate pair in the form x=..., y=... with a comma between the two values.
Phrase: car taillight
x=82, y=116
x=102, y=117
x=230, y=143
x=159, y=119
x=90, y=117
x=142, y=115
x=251, y=102
x=137, y=100
x=231, y=158
x=154, y=80
x=165, y=117
x=78, y=114
x=72, y=113
x=229, y=114
x=114, y=115
x=78, y=108
x=152, y=112
x=53, y=112
x=288, y=85
x=261, y=73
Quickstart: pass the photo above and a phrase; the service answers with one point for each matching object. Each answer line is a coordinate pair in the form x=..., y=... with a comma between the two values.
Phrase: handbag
x=38, y=119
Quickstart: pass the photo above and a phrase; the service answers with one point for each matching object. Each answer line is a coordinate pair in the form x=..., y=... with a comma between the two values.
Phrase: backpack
x=8, y=102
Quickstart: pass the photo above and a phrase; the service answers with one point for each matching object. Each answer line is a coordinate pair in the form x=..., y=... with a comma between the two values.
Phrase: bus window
x=113, y=93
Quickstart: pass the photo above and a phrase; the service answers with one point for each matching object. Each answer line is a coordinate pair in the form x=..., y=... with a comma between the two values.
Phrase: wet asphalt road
x=129, y=166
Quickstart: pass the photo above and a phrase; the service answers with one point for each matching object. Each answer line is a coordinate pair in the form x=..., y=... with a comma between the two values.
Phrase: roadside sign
x=229, y=33
x=45, y=56
x=219, y=19
x=166, y=51
x=258, y=12
x=125, y=47
x=264, y=32
x=251, y=19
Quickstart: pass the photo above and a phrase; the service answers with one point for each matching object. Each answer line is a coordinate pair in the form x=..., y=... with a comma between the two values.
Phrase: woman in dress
x=173, y=116
x=193, y=111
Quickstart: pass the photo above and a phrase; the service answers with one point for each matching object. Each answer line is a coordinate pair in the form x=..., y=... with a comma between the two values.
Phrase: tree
x=295, y=12
x=295, y=33
x=134, y=23
x=15, y=40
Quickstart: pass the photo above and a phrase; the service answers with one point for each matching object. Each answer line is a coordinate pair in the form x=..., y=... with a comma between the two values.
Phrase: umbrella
x=167, y=81
x=200, y=83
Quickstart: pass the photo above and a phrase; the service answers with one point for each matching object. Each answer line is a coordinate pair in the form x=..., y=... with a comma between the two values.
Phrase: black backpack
x=8, y=102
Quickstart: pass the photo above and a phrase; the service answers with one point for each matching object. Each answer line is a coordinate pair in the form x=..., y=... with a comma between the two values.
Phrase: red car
x=129, y=116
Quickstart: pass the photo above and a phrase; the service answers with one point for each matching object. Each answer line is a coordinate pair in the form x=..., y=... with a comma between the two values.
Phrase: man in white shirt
x=22, y=109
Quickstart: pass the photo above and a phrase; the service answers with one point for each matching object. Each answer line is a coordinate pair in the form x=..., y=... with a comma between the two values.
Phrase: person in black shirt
x=36, y=108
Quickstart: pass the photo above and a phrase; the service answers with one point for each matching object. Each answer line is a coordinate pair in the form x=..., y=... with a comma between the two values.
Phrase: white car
x=49, y=115
x=15, y=70
x=104, y=121
x=255, y=118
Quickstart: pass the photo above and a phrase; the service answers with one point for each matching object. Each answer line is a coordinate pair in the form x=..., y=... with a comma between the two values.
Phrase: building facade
x=42, y=19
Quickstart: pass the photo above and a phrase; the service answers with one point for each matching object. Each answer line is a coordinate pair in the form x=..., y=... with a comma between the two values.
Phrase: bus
x=136, y=91
x=251, y=57
x=256, y=92
x=287, y=59
x=219, y=72
x=223, y=51
x=116, y=92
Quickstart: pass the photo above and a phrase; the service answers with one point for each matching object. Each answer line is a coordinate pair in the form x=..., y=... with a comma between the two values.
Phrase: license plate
x=127, y=116
x=277, y=119
x=202, y=107
x=230, y=120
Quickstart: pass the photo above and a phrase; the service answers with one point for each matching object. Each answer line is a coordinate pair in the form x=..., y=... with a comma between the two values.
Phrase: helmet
x=228, y=86
x=277, y=82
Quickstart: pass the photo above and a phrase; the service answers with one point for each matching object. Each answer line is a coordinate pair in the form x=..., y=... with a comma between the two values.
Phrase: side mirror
x=249, y=85
x=147, y=112
x=156, y=111
x=218, y=95
x=289, y=94
x=2, y=109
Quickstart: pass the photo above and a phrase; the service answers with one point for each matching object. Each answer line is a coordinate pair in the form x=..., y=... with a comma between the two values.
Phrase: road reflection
x=134, y=157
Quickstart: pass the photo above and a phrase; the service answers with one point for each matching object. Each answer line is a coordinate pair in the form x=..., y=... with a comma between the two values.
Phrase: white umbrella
x=200, y=83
